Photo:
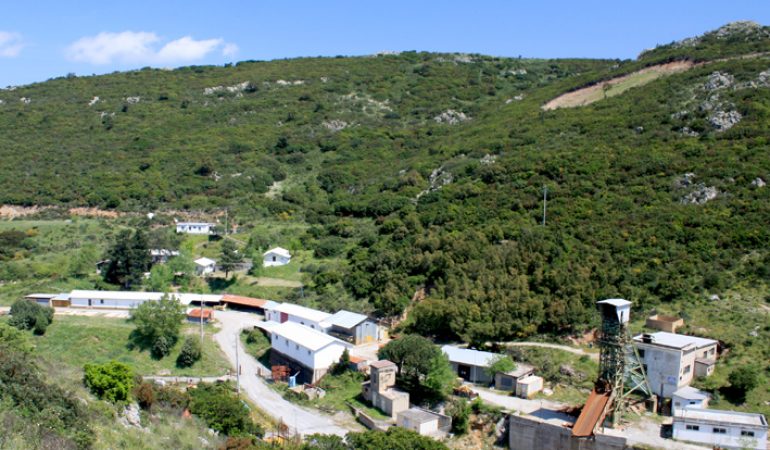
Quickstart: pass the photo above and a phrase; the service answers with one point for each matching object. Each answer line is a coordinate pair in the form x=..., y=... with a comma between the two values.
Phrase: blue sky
x=45, y=39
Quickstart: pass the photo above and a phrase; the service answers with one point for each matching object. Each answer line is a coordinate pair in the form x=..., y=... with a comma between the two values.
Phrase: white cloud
x=10, y=44
x=230, y=50
x=141, y=48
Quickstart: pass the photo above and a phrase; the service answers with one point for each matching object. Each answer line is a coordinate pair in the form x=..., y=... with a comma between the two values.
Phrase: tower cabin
x=616, y=310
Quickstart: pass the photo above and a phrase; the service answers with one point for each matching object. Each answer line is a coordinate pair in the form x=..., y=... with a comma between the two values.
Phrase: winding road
x=299, y=420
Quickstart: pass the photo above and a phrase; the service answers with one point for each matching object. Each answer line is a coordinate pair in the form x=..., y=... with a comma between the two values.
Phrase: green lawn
x=75, y=340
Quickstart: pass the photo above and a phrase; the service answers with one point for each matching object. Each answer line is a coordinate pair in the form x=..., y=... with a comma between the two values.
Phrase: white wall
x=320, y=359
x=732, y=439
x=194, y=229
x=678, y=403
x=105, y=304
x=267, y=261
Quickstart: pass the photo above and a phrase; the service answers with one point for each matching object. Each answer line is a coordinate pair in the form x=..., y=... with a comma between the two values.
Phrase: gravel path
x=566, y=348
x=298, y=419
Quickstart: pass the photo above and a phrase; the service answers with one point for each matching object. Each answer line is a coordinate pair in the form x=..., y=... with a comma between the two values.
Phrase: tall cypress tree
x=129, y=258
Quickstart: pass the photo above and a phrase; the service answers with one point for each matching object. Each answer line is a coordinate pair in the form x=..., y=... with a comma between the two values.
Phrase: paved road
x=298, y=419
x=566, y=348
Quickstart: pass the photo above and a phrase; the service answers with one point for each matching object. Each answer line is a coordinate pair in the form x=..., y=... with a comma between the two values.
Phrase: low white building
x=308, y=351
x=204, y=266
x=671, y=361
x=723, y=429
x=195, y=227
x=471, y=365
x=131, y=299
x=162, y=255
x=688, y=397
x=351, y=326
x=289, y=312
x=276, y=257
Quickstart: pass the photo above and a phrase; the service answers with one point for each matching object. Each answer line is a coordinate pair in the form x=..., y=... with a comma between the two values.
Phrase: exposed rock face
x=25, y=100
x=724, y=120
x=133, y=100
x=438, y=179
x=451, y=117
x=236, y=88
x=93, y=101
x=719, y=80
x=130, y=416
x=700, y=195
x=335, y=125
x=488, y=159
x=290, y=83
x=684, y=181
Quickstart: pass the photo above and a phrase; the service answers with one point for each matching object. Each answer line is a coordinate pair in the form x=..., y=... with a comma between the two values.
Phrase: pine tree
x=230, y=257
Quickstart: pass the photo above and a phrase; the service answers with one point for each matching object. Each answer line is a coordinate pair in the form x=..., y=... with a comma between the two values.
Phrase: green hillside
x=423, y=170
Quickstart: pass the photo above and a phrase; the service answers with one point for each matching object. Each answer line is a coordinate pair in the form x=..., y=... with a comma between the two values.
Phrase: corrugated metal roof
x=345, y=319
x=615, y=302
x=469, y=357
x=690, y=393
x=677, y=340
x=310, y=314
x=244, y=301
x=184, y=298
x=305, y=336
x=721, y=416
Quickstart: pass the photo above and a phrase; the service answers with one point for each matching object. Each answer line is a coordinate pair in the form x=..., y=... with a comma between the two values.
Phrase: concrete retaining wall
x=531, y=434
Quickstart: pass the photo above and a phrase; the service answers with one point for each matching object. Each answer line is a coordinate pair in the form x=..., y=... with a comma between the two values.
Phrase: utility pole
x=237, y=367
x=545, y=201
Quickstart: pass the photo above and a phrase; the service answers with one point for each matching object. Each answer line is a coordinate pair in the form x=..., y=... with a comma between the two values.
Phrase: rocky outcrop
x=451, y=117
x=718, y=80
x=130, y=417
x=335, y=125
x=758, y=183
x=724, y=120
x=700, y=195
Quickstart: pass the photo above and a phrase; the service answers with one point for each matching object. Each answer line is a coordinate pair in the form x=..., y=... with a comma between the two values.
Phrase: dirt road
x=298, y=419
x=566, y=348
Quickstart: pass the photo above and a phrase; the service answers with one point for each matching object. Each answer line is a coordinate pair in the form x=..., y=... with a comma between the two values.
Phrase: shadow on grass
x=220, y=284
x=137, y=341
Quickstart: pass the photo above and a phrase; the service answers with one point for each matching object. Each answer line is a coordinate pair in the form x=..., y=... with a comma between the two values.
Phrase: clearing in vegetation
x=616, y=86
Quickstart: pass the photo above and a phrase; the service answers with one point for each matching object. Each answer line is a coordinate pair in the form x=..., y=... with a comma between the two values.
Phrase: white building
x=306, y=350
x=195, y=227
x=688, y=397
x=289, y=312
x=351, y=326
x=723, y=429
x=162, y=255
x=205, y=266
x=471, y=365
x=671, y=360
x=130, y=299
x=276, y=257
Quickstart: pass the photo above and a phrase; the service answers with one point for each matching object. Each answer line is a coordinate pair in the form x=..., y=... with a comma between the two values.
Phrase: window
x=693, y=403
x=308, y=352
x=693, y=427
x=706, y=354
x=687, y=369
x=717, y=430
x=747, y=433
x=712, y=351
x=101, y=302
x=296, y=345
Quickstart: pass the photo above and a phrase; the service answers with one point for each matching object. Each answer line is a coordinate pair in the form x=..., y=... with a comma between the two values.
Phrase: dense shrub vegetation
x=110, y=381
x=27, y=315
x=158, y=325
x=222, y=410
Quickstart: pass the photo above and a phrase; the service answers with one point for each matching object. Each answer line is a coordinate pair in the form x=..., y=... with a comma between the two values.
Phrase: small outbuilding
x=205, y=266
x=241, y=303
x=195, y=227
x=276, y=257
x=688, y=396
x=506, y=381
x=352, y=327
x=162, y=255
x=470, y=365
x=424, y=422
x=528, y=386
x=196, y=315
x=721, y=429
x=664, y=323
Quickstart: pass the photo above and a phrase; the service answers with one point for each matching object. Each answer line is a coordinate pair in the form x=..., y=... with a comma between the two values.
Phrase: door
x=284, y=317
x=464, y=371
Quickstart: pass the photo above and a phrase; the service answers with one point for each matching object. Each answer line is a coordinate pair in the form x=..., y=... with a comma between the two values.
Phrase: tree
x=744, y=379
x=343, y=365
x=158, y=324
x=222, y=410
x=396, y=438
x=111, y=381
x=460, y=412
x=27, y=315
x=230, y=257
x=129, y=258
x=501, y=364
x=190, y=353
x=423, y=370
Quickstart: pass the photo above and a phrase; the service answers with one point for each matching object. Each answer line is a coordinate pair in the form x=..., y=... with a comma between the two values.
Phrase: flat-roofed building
x=671, y=360
x=688, y=397
x=722, y=429
x=470, y=365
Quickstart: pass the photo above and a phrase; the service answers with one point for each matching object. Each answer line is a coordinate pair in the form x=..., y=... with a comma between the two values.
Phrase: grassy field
x=73, y=341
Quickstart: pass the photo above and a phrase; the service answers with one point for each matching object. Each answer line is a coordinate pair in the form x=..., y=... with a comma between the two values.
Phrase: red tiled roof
x=356, y=359
x=244, y=301
x=196, y=313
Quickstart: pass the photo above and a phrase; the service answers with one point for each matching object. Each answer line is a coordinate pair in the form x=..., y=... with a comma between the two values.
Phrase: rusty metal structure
x=621, y=372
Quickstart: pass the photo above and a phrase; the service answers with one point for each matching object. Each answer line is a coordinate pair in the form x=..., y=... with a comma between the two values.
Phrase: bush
x=460, y=411
x=161, y=347
x=743, y=379
x=27, y=315
x=111, y=381
x=145, y=395
x=222, y=410
x=190, y=353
